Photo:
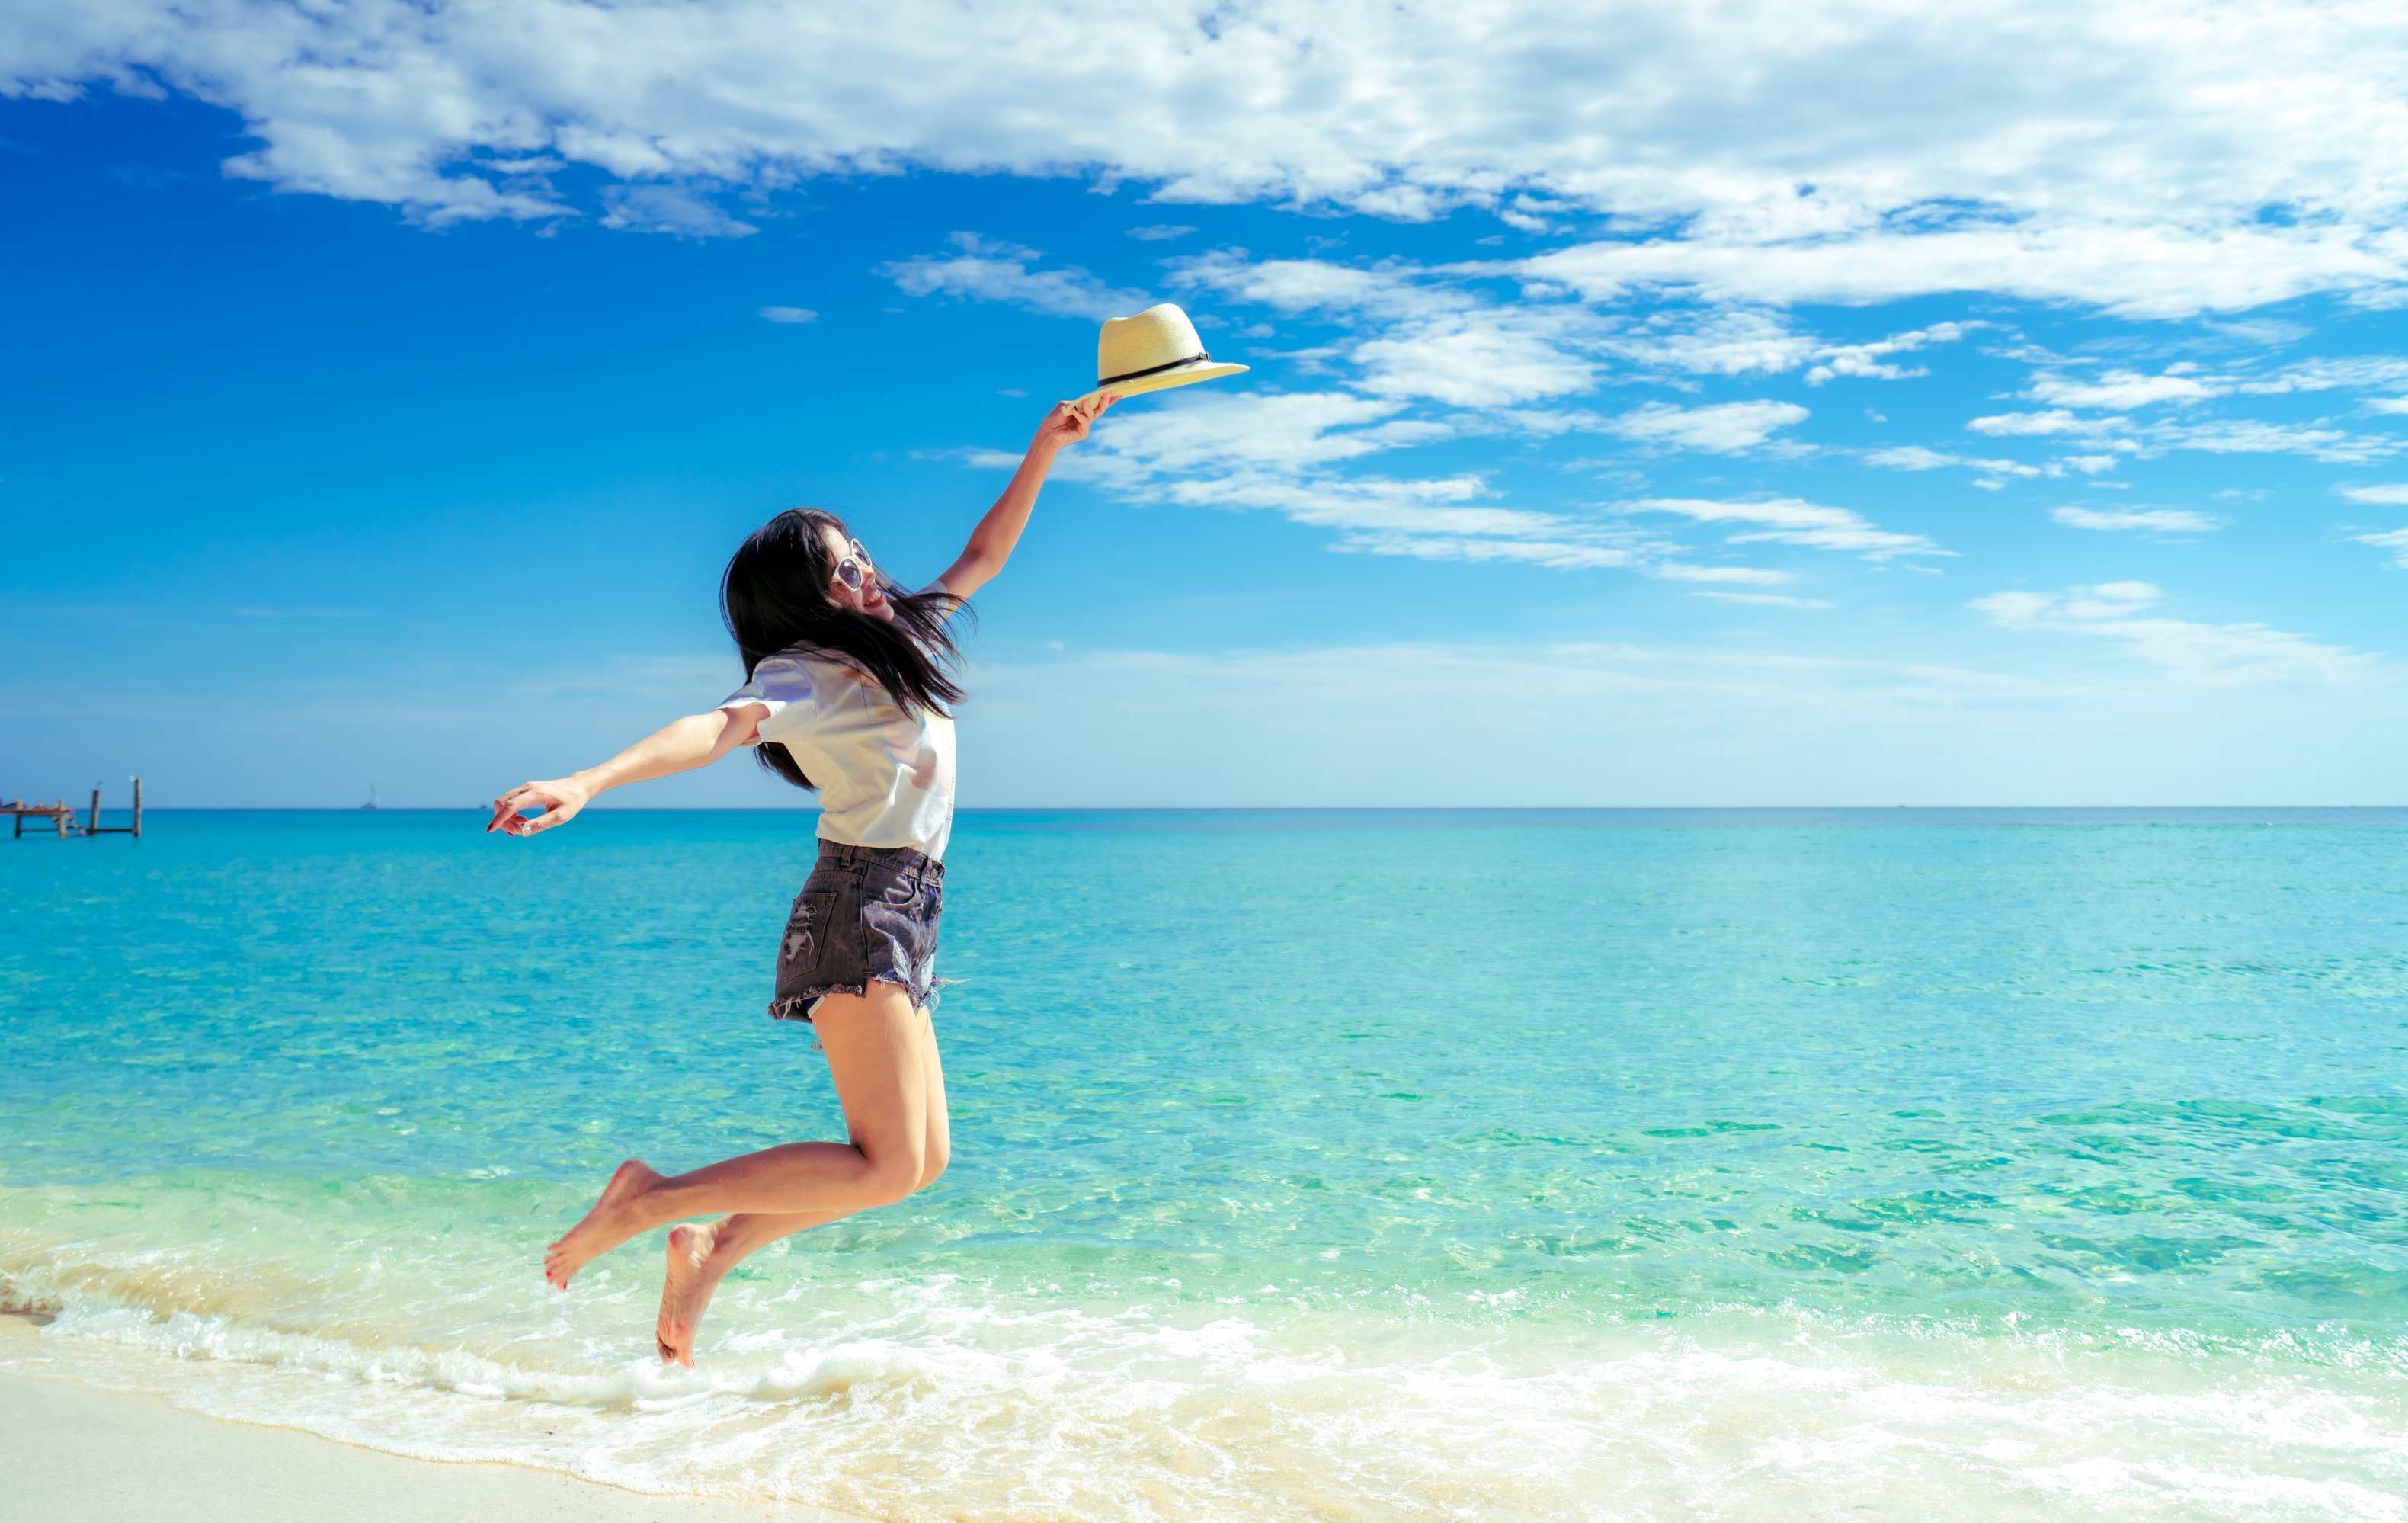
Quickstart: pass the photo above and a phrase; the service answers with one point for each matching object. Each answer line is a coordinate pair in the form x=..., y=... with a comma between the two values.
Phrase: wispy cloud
x=2389, y=495
x=1762, y=599
x=1871, y=362
x=789, y=314
x=2038, y=424
x=2118, y=611
x=2316, y=440
x=2155, y=520
x=2250, y=436
x=670, y=208
x=984, y=269
x=1792, y=521
x=2119, y=390
x=1976, y=174
x=1721, y=428
x=1477, y=359
x=2395, y=541
x=1280, y=453
x=1713, y=342
x=1758, y=576
x=1917, y=457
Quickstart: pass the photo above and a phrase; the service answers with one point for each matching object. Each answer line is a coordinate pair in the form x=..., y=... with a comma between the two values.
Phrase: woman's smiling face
x=869, y=596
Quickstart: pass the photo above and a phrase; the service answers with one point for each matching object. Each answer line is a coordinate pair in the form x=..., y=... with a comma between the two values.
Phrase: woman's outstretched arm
x=695, y=740
x=990, y=542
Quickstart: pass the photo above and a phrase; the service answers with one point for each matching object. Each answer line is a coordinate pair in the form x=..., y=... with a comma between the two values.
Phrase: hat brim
x=1165, y=380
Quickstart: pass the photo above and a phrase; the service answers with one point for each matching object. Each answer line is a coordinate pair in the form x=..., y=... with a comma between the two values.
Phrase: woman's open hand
x=555, y=803
x=1069, y=421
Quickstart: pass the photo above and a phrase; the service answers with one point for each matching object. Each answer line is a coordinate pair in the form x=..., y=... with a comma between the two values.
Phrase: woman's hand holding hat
x=1069, y=421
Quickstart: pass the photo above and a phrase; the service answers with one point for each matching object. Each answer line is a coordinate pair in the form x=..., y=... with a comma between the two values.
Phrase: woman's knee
x=893, y=1173
x=933, y=1165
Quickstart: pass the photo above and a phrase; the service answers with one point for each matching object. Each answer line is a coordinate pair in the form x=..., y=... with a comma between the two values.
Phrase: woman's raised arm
x=680, y=746
x=990, y=542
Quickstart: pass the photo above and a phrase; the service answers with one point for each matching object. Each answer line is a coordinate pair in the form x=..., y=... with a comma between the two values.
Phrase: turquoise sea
x=1888, y=1164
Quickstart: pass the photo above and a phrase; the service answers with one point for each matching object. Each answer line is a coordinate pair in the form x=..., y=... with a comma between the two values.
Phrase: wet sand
x=77, y=1452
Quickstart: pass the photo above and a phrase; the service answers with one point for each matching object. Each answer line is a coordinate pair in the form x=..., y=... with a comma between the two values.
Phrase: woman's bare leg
x=700, y=1255
x=873, y=1050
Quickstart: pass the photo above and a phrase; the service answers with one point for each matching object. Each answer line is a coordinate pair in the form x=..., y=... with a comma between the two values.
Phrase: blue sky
x=1649, y=405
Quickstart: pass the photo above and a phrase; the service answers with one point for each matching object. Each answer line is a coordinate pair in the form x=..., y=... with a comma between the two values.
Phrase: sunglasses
x=855, y=568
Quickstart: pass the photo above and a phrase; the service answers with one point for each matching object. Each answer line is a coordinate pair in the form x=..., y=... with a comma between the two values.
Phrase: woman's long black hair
x=774, y=597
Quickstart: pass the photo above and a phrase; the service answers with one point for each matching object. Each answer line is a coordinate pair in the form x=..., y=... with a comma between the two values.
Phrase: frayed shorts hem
x=798, y=1006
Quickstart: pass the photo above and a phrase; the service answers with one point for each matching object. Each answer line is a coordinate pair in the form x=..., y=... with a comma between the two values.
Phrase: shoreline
x=135, y=1454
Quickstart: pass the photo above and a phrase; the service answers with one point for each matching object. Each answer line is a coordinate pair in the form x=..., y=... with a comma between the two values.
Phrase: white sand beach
x=76, y=1452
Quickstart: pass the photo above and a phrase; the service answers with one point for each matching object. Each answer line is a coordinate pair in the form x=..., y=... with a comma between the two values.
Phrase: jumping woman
x=846, y=692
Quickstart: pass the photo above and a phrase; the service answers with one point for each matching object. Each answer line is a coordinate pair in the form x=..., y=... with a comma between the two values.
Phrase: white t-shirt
x=885, y=777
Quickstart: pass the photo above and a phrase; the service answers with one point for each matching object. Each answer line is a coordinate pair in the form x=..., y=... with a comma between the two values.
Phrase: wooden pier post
x=61, y=814
x=137, y=809
x=91, y=827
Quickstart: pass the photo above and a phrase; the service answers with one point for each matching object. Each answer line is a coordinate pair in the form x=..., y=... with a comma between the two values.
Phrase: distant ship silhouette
x=372, y=802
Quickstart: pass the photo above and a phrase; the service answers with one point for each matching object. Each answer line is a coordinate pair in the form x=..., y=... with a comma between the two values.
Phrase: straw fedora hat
x=1155, y=349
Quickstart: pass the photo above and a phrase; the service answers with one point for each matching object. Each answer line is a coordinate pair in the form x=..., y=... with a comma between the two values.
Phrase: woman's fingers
x=548, y=803
x=553, y=815
x=506, y=806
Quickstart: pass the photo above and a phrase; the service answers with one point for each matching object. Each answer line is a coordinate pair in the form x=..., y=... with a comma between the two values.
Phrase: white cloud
x=1789, y=521
x=2159, y=519
x=2318, y=440
x=1250, y=451
x=1869, y=362
x=2339, y=372
x=2126, y=270
x=2119, y=389
x=985, y=271
x=1432, y=340
x=2395, y=541
x=1472, y=359
x=1722, y=428
x=2125, y=390
x=1792, y=153
x=1160, y=231
x=1288, y=433
x=1909, y=458
x=1762, y=599
x=1722, y=341
x=2012, y=424
x=2388, y=495
x=789, y=314
x=2252, y=438
x=2215, y=653
x=668, y=208
x=1917, y=457
x=1302, y=285
x=1683, y=572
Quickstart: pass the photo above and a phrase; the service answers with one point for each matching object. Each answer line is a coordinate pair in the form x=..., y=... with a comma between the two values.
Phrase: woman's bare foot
x=612, y=1221
x=691, y=1281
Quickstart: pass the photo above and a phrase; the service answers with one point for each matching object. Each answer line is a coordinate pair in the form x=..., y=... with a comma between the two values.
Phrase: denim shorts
x=865, y=913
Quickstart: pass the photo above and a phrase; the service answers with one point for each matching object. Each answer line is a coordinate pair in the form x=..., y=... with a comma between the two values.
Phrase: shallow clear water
x=1728, y=1164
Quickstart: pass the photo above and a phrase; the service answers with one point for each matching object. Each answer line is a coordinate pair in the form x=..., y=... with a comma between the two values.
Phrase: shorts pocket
x=807, y=931
x=896, y=891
